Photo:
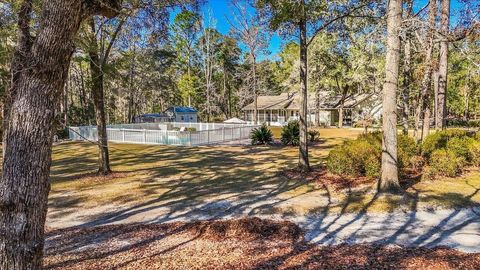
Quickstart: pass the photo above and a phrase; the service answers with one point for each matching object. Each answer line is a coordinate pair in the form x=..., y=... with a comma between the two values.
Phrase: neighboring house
x=330, y=109
x=172, y=114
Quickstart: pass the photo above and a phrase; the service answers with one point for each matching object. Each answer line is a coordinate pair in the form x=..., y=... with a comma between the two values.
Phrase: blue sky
x=220, y=9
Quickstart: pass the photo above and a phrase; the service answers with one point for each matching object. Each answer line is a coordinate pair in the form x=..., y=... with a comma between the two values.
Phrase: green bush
x=313, y=135
x=439, y=139
x=407, y=149
x=355, y=158
x=477, y=136
x=62, y=133
x=291, y=133
x=460, y=146
x=261, y=135
x=444, y=162
x=362, y=157
x=474, y=153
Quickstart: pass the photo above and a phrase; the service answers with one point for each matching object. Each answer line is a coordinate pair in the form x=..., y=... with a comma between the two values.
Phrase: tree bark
x=389, y=178
x=441, y=111
x=407, y=73
x=407, y=79
x=255, y=93
x=317, y=108
x=96, y=68
x=39, y=76
x=422, y=106
x=303, y=161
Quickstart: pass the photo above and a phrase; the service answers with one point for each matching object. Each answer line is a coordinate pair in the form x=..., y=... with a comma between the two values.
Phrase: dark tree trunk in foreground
x=39, y=71
x=303, y=162
x=389, y=178
x=441, y=112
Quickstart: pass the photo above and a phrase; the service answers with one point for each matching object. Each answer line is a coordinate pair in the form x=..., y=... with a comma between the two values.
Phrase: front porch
x=282, y=117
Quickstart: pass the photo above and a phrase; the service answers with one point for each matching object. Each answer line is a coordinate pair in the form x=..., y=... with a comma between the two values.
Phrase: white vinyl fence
x=161, y=133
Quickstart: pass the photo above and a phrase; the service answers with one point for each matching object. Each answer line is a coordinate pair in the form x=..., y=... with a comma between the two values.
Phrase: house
x=172, y=114
x=330, y=109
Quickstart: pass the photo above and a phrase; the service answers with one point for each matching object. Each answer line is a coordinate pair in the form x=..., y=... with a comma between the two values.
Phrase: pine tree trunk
x=39, y=73
x=255, y=94
x=303, y=162
x=317, y=108
x=389, y=178
x=96, y=69
x=427, y=77
x=441, y=112
x=407, y=79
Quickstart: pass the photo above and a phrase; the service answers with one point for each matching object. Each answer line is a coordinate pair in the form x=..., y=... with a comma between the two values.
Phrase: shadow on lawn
x=191, y=175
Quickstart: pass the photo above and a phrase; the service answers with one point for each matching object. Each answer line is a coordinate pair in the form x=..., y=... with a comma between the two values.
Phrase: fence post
x=190, y=138
x=166, y=137
x=123, y=135
x=208, y=136
x=223, y=134
x=144, y=136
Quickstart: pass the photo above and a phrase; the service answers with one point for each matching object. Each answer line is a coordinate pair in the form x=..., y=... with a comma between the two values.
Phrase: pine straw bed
x=235, y=244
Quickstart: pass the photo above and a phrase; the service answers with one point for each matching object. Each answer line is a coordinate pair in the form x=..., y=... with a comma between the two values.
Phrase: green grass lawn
x=191, y=176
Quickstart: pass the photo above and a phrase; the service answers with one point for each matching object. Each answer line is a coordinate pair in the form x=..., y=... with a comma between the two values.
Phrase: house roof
x=181, y=109
x=271, y=102
x=292, y=101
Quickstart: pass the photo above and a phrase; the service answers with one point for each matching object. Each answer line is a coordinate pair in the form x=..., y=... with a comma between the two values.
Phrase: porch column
x=340, y=117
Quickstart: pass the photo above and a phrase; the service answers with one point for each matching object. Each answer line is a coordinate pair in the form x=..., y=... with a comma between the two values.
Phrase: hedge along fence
x=161, y=133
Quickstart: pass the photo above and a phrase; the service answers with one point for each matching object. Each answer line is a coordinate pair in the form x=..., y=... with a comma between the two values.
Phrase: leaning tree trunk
x=96, y=68
x=39, y=72
x=303, y=162
x=441, y=111
x=389, y=178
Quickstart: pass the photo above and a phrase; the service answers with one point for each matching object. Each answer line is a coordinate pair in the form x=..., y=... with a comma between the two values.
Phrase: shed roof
x=182, y=109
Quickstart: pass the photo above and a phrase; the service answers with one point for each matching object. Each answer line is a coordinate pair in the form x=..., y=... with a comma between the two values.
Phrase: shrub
x=355, y=158
x=407, y=149
x=261, y=135
x=417, y=162
x=313, y=135
x=362, y=157
x=372, y=137
x=291, y=133
x=474, y=153
x=477, y=136
x=439, y=140
x=373, y=166
x=444, y=162
x=460, y=146
x=62, y=133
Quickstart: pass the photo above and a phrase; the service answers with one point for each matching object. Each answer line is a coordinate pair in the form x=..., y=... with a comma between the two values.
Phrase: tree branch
x=327, y=24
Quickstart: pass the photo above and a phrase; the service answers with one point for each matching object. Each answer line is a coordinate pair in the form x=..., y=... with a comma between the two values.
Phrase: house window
x=181, y=117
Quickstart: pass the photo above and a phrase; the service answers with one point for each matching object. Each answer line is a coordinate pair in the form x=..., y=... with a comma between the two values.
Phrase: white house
x=329, y=108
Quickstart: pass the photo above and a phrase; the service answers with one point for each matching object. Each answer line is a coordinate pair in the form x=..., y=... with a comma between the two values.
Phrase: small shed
x=182, y=114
